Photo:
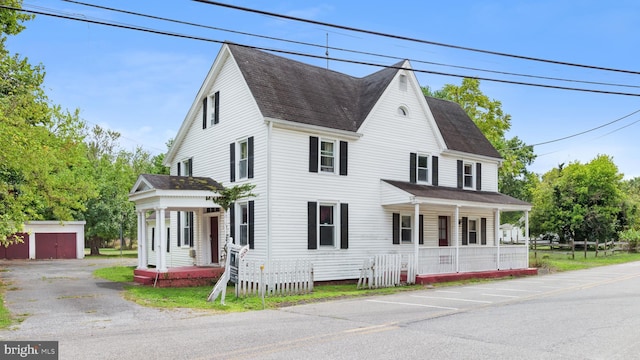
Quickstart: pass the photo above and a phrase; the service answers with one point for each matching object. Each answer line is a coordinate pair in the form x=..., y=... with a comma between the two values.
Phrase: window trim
x=410, y=228
x=241, y=222
x=427, y=168
x=476, y=231
x=213, y=108
x=472, y=166
x=321, y=155
x=240, y=160
x=333, y=225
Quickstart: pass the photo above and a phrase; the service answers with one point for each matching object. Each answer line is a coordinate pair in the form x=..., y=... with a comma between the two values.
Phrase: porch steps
x=437, y=278
x=143, y=280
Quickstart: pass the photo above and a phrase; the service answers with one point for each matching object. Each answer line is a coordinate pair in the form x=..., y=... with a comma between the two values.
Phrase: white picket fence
x=281, y=278
x=386, y=270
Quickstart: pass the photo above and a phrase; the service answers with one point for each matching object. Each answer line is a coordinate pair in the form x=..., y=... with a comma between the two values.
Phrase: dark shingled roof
x=168, y=182
x=447, y=193
x=290, y=90
x=294, y=91
x=458, y=130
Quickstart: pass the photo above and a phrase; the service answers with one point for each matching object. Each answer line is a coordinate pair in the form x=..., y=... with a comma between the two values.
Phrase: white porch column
x=416, y=236
x=456, y=221
x=526, y=233
x=142, y=240
x=496, y=230
x=161, y=232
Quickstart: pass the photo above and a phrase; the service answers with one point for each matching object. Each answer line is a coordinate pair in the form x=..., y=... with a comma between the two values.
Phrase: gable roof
x=291, y=90
x=458, y=130
x=169, y=182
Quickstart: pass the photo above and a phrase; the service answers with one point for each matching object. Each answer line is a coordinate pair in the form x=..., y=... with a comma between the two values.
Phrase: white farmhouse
x=344, y=168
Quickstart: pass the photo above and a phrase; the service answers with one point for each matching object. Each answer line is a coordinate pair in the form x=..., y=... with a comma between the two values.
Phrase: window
x=185, y=167
x=468, y=175
x=327, y=225
x=244, y=224
x=423, y=168
x=327, y=156
x=214, y=108
x=405, y=228
x=402, y=111
x=187, y=227
x=473, y=231
x=243, y=160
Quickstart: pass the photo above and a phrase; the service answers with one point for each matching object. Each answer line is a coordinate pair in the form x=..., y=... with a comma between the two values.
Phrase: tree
x=227, y=196
x=43, y=167
x=579, y=201
x=513, y=177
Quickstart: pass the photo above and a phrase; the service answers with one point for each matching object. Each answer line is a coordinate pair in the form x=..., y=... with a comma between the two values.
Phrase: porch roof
x=175, y=192
x=401, y=193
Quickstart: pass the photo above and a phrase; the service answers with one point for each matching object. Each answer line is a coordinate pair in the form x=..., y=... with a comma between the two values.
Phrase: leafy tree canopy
x=43, y=167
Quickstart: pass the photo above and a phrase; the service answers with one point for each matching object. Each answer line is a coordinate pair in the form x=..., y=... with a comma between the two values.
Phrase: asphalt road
x=588, y=314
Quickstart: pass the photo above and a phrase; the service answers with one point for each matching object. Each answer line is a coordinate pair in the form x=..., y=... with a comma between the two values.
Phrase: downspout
x=416, y=236
x=269, y=130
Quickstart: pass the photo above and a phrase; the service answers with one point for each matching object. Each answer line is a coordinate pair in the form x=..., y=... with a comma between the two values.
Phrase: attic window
x=403, y=111
x=403, y=82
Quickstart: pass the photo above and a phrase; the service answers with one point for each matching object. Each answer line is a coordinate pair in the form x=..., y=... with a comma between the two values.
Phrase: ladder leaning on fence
x=280, y=278
x=386, y=270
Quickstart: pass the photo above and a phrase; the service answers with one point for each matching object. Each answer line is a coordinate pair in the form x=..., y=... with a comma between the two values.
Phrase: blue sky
x=142, y=84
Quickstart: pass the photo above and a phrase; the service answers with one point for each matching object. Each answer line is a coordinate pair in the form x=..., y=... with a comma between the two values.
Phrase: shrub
x=632, y=238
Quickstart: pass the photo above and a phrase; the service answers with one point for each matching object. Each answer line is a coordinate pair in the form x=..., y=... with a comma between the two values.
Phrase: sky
x=142, y=84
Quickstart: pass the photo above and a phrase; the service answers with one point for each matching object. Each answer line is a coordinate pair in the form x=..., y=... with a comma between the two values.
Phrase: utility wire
x=399, y=37
x=193, y=37
x=343, y=49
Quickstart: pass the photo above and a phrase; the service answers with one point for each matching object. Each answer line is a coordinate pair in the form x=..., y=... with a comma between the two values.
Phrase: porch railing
x=442, y=260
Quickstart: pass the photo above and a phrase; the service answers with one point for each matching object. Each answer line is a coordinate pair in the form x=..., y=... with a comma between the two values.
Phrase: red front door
x=213, y=237
x=443, y=231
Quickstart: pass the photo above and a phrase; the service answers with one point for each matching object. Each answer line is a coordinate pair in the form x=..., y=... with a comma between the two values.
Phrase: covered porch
x=449, y=242
x=161, y=194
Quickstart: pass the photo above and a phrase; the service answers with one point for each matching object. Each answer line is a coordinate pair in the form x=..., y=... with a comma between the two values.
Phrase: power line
x=193, y=37
x=399, y=37
x=343, y=49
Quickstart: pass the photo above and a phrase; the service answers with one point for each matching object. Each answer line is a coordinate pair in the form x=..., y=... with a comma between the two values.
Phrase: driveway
x=61, y=297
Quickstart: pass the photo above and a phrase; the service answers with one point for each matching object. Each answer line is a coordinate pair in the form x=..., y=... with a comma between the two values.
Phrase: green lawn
x=110, y=252
x=563, y=261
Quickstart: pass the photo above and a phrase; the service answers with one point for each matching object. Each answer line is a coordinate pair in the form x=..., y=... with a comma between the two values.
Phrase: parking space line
x=412, y=304
x=453, y=299
x=447, y=291
x=514, y=290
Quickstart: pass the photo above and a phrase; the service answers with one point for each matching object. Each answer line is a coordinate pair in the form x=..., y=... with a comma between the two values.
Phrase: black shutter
x=179, y=229
x=413, y=159
x=421, y=230
x=434, y=170
x=465, y=235
x=483, y=231
x=343, y=157
x=190, y=165
x=344, y=226
x=313, y=154
x=168, y=239
x=396, y=228
x=250, y=158
x=459, y=174
x=153, y=239
x=178, y=169
x=232, y=162
x=204, y=113
x=191, y=225
x=232, y=221
x=478, y=176
x=312, y=235
x=251, y=223
x=216, y=115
